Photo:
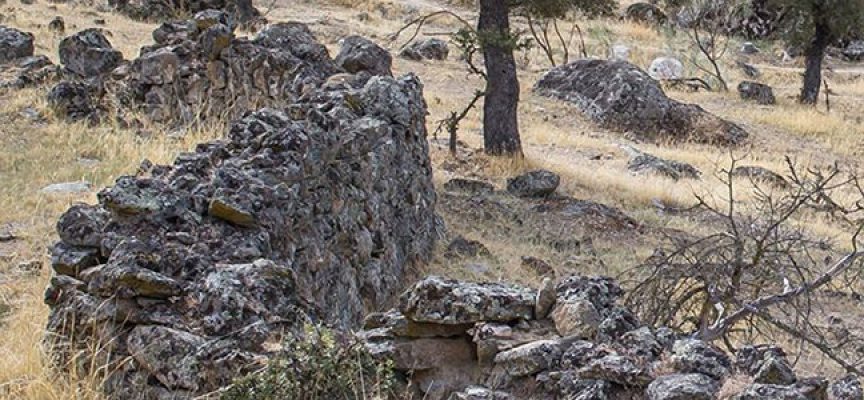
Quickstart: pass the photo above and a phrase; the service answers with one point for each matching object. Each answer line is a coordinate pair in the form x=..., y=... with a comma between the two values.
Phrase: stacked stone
x=460, y=340
x=182, y=273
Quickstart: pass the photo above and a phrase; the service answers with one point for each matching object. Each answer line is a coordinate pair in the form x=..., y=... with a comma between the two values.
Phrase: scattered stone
x=462, y=247
x=760, y=174
x=682, y=387
x=57, y=25
x=762, y=94
x=620, y=96
x=429, y=49
x=620, y=52
x=358, y=54
x=540, y=183
x=67, y=188
x=749, y=48
x=854, y=51
x=642, y=162
x=666, y=69
x=468, y=186
x=749, y=70
x=645, y=13
x=14, y=44
x=88, y=54
x=446, y=301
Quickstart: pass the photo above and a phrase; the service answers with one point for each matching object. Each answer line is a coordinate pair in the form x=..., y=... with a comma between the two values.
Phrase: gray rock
x=429, y=49
x=642, y=162
x=168, y=354
x=69, y=260
x=682, y=387
x=854, y=51
x=749, y=70
x=617, y=369
x=546, y=297
x=88, y=54
x=748, y=48
x=81, y=225
x=400, y=326
x=461, y=247
x=530, y=358
x=602, y=292
x=808, y=389
x=666, y=69
x=616, y=322
x=580, y=353
x=775, y=370
x=470, y=186
x=67, y=188
x=14, y=44
x=538, y=183
x=73, y=100
x=696, y=356
x=28, y=72
x=237, y=11
x=760, y=93
x=480, y=393
x=846, y=388
x=620, y=52
x=576, y=318
x=446, y=301
x=645, y=13
x=620, y=96
x=760, y=174
x=358, y=54
x=214, y=39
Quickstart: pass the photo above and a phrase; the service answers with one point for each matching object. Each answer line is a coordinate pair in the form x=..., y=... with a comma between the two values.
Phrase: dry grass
x=590, y=161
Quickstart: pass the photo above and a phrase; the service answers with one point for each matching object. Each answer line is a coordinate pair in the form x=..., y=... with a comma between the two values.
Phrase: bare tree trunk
x=500, y=124
x=814, y=55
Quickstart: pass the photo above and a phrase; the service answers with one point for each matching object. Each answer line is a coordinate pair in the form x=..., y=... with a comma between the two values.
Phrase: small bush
x=323, y=364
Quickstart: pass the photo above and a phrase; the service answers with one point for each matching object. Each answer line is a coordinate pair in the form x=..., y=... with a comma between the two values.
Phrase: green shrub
x=323, y=364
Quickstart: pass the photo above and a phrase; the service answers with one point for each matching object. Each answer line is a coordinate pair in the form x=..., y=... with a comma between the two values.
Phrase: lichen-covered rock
x=766, y=364
x=198, y=69
x=617, y=369
x=241, y=12
x=469, y=186
x=642, y=162
x=14, y=44
x=73, y=100
x=578, y=318
x=446, y=301
x=28, y=72
x=359, y=54
x=682, y=387
x=321, y=212
x=758, y=92
x=846, y=388
x=666, y=69
x=429, y=49
x=480, y=393
x=530, y=358
x=539, y=183
x=696, y=356
x=620, y=96
x=88, y=54
x=645, y=13
x=806, y=389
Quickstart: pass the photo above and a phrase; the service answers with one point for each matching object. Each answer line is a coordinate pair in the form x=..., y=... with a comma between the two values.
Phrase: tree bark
x=500, y=123
x=814, y=55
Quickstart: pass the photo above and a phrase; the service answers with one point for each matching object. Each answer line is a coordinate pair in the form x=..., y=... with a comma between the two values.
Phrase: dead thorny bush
x=762, y=276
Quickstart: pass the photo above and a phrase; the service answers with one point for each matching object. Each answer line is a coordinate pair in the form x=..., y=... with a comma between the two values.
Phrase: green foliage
x=322, y=365
x=802, y=16
x=560, y=8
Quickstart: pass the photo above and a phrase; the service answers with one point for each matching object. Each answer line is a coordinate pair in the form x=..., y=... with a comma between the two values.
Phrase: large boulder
x=14, y=44
x=190, y=269
x=88, y=54
x=618, y=95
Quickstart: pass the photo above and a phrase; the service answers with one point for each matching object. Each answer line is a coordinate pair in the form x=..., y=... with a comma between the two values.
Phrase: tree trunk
x=814, y=55
x=500, y=125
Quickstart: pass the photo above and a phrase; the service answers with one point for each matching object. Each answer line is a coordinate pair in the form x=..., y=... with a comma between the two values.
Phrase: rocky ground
x=156, y=115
